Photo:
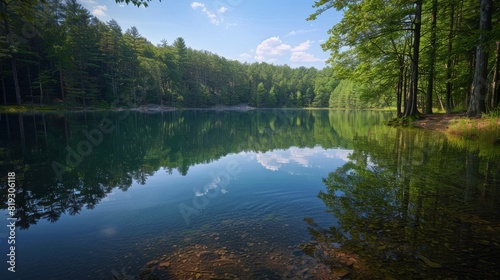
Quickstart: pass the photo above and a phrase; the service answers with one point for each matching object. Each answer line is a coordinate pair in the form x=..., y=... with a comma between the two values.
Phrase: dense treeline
x=419, y=54
x=57, y=52
x=415, y=56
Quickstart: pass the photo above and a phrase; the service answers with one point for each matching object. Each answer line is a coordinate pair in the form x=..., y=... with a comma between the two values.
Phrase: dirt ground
x=438, y=122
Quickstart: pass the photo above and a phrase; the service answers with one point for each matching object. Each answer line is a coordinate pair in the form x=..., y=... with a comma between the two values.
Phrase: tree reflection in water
x=410, y=205
x=142, y=144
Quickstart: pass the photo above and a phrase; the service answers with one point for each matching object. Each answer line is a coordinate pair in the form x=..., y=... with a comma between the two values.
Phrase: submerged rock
x=164, y=264
x=429, y=263
x=151, y=263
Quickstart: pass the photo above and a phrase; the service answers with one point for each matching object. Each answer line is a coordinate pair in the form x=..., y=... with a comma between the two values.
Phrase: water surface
x=268, y=193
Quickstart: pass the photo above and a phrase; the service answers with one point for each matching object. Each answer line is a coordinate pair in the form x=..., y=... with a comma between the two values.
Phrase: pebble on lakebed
x=202, y=262
x=250, y=256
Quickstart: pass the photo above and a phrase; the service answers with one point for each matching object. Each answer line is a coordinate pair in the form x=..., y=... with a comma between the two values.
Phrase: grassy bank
x=66, y=108
x=481, y=134
x=483, y=130
x=47, y=108
x=476, y=134
x=33, y=108
x=30, y=108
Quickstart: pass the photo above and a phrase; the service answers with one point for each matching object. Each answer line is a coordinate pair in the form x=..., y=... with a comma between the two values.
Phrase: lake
x=259, y=194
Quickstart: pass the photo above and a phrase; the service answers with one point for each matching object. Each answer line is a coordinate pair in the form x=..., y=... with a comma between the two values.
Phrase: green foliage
x=372, y=46
x=346, y=95
x=83, y=63
x=261, y=100
x=136, y=3
x=272, y=98
x=298, y=98
x=495, y=113
x=402, y=121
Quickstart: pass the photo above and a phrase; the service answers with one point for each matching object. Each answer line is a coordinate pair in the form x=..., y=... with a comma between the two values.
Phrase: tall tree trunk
x=480, y=84
x=84, y=93
x=432, y=59
x=405, y=89
x=16, y=80
x=399, y=93
x=449, y=69
x=411, y=108
x=495, y=88
x=40, y=82
x=29, y=83
x=440, y=100
x=13, y=60
x=472, y=61
x=41, y=92
x=113, y=85
x=61, y=83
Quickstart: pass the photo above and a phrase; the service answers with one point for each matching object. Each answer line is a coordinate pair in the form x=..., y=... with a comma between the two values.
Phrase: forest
x=65, y=55
x=412, y=56
x=431, y=53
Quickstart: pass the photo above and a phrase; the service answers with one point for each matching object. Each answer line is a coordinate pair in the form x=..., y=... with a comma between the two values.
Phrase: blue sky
x=273, y=31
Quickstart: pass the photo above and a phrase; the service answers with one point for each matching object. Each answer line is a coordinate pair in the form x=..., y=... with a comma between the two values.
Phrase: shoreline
x=462, y=128
x=152, y=108
x=158, y=108
x=456, y=125
x=147, y=108
x=437, y=122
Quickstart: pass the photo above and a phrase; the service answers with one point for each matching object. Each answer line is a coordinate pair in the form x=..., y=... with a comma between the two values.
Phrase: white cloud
x=89, y=2
x=94, y=7
x=339, y=153
x=304, y=46
x=195, y=5
x=270, y=49
x=299, y=53
x=276, y=159
x=245, y=56
x=301, y=31
x=272, y=161
x=100, y=10
x=212, y=16
x=216, y=182
x=305, y=57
